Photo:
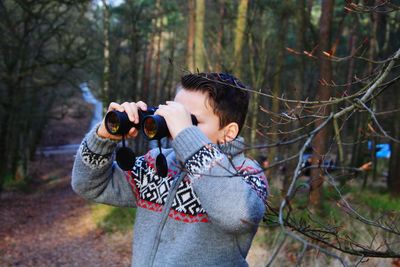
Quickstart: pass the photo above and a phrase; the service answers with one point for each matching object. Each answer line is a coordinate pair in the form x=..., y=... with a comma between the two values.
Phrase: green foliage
x=330, y=193
x=43, y=44
x=9, y=183
x=331, y=213
x=378, y=201
x=113, y=219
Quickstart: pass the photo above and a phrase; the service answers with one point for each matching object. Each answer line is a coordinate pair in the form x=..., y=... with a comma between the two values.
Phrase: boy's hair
x=225, y=94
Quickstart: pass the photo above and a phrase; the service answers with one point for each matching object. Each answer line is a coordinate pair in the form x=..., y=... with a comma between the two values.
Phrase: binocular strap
x=125, y=157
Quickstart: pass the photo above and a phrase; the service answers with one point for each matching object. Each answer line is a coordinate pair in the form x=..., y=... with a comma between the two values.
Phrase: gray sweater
x=204, y=213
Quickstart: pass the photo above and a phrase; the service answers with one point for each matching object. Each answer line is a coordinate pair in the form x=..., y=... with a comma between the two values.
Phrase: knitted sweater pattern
x=214, y=213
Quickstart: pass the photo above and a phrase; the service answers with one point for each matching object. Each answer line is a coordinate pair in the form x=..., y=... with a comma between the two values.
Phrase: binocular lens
x=113, y=123
x=150, y=127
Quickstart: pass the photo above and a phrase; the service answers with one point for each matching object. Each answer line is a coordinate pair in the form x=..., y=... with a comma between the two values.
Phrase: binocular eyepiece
x=154, y=127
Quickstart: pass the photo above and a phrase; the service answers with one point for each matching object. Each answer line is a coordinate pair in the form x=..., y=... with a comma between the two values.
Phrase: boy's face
x=196, y=103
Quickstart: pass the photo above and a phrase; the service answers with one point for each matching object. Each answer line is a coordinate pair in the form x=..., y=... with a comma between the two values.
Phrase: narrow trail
x=70, y=147
x=52, y=226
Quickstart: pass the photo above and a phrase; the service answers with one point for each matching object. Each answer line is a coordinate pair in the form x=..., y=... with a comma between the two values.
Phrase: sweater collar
x=234, y=147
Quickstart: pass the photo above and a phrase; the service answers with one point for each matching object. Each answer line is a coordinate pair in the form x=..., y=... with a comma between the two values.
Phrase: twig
x=377, y=122
x=372, y=88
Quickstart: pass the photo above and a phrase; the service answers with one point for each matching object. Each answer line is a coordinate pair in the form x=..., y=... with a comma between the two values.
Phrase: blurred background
x=62, y=63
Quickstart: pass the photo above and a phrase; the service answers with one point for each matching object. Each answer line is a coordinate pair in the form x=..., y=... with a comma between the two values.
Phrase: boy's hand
x=176, y=116
x=131, y=109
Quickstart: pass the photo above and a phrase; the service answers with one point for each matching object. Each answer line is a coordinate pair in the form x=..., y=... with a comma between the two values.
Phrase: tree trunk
x=220, y=35
x=300, y=46
x=191, y=34
x=372, y=52
x=356, y=154
x=134, y=69
x=277, y=78
x=147, y=72
x=359, y=118
x=167, y=85
x=323, y=93
x=106, y=53
x=239, y=34
x=257, y=68
x=157, y=43
x=298, y=87
x=393, y=181
x=3, y=163
x=394, y=170
x=199, y=37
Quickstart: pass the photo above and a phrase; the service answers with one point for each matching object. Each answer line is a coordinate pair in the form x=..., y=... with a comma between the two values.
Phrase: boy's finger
x=161, y=110
x=130, y=111
x=135, y=109
x=161, y=106
x=141, y=105
x=115, y=106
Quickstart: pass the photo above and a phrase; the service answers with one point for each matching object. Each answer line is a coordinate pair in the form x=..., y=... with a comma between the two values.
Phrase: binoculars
x=153, y=127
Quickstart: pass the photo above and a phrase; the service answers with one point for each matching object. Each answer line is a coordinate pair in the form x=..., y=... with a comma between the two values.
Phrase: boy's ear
x=230, y=132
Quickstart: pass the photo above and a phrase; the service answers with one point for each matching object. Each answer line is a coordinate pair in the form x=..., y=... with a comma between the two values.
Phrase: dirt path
x=54, y=227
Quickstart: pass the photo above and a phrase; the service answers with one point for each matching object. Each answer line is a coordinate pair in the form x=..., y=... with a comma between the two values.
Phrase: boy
x=207, y=210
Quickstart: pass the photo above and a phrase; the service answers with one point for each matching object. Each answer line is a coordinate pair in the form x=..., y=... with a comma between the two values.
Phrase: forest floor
x=50, y=225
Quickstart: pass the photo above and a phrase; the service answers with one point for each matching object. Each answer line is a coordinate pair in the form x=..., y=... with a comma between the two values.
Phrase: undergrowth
x=24, y=185
x=333, y=216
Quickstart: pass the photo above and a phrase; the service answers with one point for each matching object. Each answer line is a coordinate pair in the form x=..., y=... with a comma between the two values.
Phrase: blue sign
x=382, y=150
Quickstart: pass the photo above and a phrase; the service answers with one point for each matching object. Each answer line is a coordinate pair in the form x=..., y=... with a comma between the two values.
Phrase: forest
x=324, y=114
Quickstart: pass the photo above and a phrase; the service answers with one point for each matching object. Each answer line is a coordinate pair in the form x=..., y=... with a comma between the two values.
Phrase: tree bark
x=323, y=93
x=239, y=34
x=106, y=53
x=220, y=35
x=146, y=94
x=191, y=34
x=393, y=181
x=300, y=46
x=279, y=62
x=157, y=43
x=258, y=63
x=167, y=85
x=299, y=83
x=134, y=51
x=199, y=56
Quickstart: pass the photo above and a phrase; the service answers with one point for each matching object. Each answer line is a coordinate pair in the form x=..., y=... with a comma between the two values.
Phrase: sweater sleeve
x=232, y=196
x=95, y=175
